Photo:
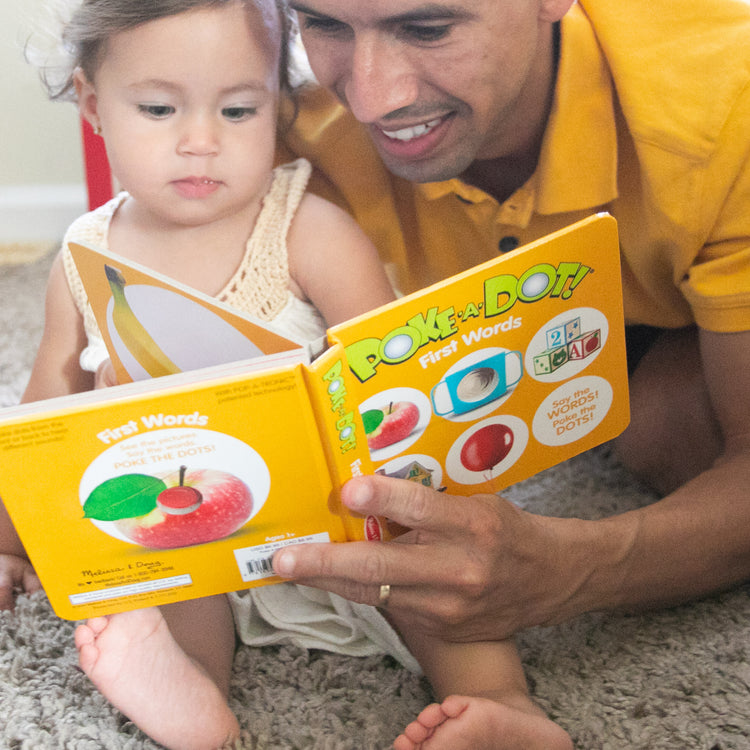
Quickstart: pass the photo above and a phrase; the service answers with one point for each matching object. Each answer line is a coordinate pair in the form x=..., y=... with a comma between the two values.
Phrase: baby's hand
x=16, y=577
x=105, y=375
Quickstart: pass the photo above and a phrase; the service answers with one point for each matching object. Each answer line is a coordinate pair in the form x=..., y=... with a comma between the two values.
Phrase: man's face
x=440, y=83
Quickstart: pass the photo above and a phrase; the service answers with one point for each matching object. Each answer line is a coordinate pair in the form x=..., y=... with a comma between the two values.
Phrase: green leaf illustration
x=127, y=496
x=371, y=420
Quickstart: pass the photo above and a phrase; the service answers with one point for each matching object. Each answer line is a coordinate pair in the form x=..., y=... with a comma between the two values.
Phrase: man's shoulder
x=680, y=70
x=346, y=164
x=321, y=121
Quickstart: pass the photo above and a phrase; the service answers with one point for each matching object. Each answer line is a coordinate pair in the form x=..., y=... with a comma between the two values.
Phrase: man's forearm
x=691, y=543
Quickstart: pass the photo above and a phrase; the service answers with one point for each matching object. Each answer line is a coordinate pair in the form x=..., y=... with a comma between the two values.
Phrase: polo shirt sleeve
x=717, y=285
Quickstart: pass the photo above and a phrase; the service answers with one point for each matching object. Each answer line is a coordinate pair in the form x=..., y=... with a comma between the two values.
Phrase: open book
x=175, y=487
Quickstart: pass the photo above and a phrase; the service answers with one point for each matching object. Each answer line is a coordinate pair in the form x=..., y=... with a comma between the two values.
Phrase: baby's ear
x=86, y=97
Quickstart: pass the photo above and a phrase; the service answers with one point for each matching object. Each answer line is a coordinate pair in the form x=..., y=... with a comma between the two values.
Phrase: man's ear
x=552, y=11
x=87, y=99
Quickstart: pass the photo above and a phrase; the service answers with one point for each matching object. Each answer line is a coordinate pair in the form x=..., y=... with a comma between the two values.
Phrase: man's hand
x=16, y=576
x=469, y=568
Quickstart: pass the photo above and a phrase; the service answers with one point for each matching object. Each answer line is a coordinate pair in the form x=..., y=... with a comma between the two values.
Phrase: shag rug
x=677, y=679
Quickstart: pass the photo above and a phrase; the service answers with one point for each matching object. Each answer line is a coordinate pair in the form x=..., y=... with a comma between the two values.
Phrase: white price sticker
x=255, y=562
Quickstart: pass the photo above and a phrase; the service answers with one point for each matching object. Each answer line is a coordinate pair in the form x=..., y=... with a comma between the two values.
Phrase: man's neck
x=502, y=176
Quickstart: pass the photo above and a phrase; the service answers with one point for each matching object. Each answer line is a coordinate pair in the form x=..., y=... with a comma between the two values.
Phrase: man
x=483, y=124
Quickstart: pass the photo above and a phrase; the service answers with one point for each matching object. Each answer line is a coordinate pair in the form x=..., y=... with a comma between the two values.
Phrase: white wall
x=41, y=167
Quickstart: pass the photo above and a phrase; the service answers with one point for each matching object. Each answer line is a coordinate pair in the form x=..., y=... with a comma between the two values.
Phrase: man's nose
x=381, y=79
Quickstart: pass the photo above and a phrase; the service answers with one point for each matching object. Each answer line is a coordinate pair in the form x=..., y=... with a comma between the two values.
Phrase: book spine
x=343, y=438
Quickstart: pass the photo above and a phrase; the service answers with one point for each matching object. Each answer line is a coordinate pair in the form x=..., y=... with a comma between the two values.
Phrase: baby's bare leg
x=16, y=573
x=10, y=544
x=485, y=702
x=167, y=670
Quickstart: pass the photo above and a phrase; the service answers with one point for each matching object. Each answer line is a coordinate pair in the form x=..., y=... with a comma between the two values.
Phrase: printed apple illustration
x=487, y=447
x=389, y=424
x=592, y=342
x=203, y=505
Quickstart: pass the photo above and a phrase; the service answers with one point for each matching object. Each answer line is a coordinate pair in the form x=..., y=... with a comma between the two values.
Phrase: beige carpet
x=672, y=680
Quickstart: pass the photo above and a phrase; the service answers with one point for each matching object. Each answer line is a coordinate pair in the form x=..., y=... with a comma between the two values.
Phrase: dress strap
x=261, y=283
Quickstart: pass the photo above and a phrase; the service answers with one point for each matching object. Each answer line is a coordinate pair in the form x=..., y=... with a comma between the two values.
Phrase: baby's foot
x=133, y=660
x=469, y=723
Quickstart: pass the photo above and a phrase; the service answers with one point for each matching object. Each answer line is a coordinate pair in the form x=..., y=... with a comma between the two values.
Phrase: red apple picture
x=202, y=506
x=390, y=424
x=487, y=447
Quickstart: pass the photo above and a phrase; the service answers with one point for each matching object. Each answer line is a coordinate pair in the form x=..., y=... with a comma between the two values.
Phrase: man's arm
x=479, y=567
x=698, y=537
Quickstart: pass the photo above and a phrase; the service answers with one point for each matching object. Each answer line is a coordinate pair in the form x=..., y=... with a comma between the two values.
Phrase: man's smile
x=412, y=132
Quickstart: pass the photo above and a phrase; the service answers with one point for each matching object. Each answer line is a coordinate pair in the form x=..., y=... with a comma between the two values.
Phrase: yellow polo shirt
x=650, y=121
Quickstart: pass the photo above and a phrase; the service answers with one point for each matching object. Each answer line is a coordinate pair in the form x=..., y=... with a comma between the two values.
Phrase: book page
x=173, y=494
x=154, y=326
x=502, y=371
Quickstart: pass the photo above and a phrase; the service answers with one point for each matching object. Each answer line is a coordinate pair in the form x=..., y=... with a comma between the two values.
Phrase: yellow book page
x=151, y=324
x=502, y=371
x=184, y=492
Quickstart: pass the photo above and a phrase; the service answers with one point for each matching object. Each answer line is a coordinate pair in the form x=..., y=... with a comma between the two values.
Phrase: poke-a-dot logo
x=373, y=529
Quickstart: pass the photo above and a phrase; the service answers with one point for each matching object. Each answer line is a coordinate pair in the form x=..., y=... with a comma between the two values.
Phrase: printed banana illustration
x=134, y=336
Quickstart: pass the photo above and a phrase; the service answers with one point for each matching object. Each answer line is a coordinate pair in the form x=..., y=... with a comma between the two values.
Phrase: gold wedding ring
x=384, y=595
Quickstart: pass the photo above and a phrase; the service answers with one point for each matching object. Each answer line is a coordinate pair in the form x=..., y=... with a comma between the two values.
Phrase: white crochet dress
x=283, y=613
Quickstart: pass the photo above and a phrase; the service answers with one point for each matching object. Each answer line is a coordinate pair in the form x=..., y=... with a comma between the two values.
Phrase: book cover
x=184, y=485
x=499, y=372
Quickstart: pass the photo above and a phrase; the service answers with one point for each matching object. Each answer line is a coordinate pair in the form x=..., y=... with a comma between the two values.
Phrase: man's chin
x=424, y=170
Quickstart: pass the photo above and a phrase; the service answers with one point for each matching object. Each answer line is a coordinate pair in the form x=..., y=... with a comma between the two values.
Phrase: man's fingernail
x=283, y=563
x=358, y=495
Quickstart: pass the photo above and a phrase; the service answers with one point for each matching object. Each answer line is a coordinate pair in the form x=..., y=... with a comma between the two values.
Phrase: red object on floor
x=96, y=164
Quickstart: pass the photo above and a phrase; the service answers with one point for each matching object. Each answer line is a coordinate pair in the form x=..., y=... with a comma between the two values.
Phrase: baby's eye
x=157, y=111
x=238, y=114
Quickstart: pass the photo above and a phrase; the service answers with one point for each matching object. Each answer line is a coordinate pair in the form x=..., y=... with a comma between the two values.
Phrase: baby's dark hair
x=85, y=35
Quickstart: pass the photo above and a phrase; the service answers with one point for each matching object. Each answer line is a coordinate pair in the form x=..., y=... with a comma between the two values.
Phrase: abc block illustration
x=585, y=345
x=550, y=360
x=576, y=348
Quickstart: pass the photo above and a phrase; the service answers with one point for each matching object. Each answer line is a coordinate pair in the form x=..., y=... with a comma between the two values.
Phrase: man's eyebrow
x=300, y=8
x=427, y=12
x=431, y=11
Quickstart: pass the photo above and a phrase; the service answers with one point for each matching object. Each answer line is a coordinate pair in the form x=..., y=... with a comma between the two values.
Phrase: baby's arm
x=56, y=372
x=333, y=263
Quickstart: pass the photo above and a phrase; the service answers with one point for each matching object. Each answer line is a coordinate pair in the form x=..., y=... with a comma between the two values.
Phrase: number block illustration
x=563, y=333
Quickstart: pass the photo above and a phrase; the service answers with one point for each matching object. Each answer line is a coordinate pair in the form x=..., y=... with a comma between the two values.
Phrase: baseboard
x=35, y=217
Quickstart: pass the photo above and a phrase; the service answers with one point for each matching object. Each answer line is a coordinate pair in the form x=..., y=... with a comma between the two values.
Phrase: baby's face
x=187, y=106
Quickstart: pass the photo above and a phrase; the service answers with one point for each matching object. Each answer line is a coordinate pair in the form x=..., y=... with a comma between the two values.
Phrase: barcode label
x=254, y=563
x=260, y=567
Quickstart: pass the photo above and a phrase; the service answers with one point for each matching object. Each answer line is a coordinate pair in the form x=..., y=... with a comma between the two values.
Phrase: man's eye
x=157, y=111
x=426, y=32
x=238, y=114
x=322, y=24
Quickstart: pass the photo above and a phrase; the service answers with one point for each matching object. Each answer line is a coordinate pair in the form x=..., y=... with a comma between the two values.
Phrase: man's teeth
x=408, y=134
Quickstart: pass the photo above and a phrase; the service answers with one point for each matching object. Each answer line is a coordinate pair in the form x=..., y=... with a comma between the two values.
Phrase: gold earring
x=97, y=129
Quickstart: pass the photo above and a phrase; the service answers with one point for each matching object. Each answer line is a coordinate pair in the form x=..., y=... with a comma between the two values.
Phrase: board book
x=180, y=486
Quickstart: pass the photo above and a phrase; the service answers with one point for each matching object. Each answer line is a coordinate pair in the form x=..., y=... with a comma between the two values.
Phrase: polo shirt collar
x=577, y=166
